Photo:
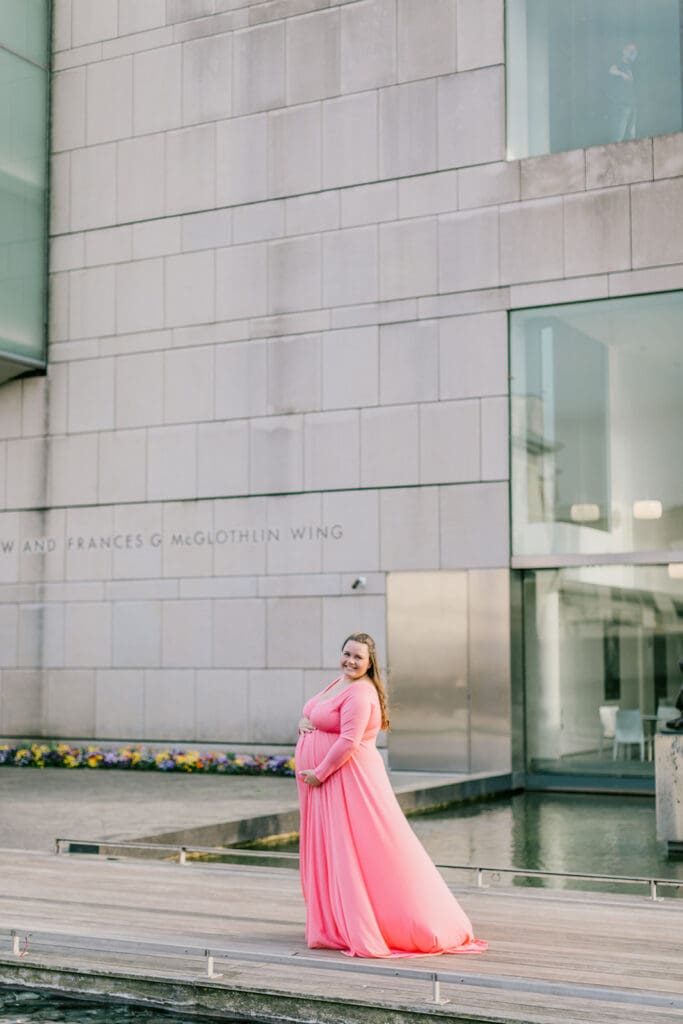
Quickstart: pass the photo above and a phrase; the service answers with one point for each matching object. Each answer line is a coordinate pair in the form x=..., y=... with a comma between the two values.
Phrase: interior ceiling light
x=647, y=509
x=586, y=513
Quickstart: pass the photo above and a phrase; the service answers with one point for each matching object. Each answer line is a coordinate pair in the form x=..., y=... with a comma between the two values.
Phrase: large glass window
x=23, y=180
x=597, y=428
x=587, y=72
x=598, y=640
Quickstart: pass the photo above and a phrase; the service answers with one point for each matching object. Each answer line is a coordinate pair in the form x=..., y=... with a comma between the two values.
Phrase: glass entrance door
x=600, y=641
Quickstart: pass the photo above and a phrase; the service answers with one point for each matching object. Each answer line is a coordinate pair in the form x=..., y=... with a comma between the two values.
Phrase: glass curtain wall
x=24, y=34
x=597, y=527
x=597, y=428
x=587, y=72
x=599, y=640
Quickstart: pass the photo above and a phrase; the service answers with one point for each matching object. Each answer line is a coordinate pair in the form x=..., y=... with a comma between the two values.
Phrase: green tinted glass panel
x=597, y=427
x=23, y=133
x=586, y=72
x=24, y=28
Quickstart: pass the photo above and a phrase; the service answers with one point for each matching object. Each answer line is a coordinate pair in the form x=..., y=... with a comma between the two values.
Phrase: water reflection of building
x=284, y=287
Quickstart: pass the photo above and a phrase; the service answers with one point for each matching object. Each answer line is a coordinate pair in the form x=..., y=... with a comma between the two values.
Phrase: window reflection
x=599, y=640
x=23, y=181
x=587, y=72
x=597, y=427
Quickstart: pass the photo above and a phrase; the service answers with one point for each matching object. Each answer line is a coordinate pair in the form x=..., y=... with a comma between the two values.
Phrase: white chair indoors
x=608, y=723
x=629, y=731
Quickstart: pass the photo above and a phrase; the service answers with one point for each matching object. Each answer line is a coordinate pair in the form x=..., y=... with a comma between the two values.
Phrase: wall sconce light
x=675, y=570
x=647, y=509
x=586, y=513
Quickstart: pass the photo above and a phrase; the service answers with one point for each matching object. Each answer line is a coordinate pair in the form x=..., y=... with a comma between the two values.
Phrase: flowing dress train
x=370, y=887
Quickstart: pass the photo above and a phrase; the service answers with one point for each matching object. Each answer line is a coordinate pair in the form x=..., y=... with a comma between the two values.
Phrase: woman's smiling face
x=355, y=659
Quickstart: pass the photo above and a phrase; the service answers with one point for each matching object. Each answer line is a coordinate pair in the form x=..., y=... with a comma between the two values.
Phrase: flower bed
x=62, y=755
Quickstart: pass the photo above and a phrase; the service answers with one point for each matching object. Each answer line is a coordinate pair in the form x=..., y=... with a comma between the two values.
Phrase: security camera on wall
x=360, y=581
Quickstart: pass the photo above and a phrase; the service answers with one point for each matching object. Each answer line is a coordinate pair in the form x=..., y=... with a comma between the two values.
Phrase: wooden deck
x=138, y=930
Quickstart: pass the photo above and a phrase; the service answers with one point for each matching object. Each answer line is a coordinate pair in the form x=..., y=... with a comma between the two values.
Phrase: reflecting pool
x=21, y=1007
x=605, y=835
x=575, y=832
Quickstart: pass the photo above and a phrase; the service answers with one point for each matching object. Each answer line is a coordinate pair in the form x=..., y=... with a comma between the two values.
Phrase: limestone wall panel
x=168, y=710
x=69, y=704
x=221, y=705
x=313, y=56
x=480, y=33
x=286, y=239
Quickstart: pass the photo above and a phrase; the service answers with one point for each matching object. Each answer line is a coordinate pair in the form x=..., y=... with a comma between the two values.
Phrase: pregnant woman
x=370, y=887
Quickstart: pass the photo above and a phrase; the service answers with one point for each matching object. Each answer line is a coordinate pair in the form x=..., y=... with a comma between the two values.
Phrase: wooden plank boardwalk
x=138, y=930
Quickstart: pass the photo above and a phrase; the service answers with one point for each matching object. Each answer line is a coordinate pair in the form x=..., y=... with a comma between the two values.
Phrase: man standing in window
x=623, y=95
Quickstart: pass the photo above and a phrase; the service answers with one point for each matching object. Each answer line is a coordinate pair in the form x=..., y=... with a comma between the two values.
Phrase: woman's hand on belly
x=306, y=725
x=309, y=777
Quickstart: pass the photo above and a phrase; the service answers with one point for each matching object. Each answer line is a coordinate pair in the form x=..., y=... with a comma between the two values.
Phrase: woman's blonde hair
x=374, y=674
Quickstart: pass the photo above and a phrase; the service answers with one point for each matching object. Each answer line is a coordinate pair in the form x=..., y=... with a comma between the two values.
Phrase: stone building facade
x=286, y=238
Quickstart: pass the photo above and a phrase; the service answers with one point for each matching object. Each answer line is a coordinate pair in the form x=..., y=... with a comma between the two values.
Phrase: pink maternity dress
x=369, y=885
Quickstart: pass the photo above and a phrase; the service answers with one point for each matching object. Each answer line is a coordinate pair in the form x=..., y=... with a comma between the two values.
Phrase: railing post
x=653, y=890
x=480, y=878
x=16, y=951
x=210, y=972
x=436, y=991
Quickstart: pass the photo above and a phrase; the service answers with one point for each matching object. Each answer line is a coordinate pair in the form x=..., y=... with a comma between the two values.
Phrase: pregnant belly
x=312, y=747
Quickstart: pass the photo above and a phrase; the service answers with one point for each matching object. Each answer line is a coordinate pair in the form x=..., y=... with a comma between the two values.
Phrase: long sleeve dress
x=370, y=887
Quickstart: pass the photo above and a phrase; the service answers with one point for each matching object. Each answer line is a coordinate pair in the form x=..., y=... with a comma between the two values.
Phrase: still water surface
x=586, y=833
x=608, y=835
x=17, y=1007
x=573, y=832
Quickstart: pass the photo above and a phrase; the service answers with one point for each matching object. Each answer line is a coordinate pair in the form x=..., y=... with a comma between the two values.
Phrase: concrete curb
x=213, y=1000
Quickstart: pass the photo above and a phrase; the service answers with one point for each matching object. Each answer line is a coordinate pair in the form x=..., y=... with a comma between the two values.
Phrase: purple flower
x=62, y=755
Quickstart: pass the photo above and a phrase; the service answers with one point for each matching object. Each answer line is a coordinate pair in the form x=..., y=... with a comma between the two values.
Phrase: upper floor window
x=597, y=427
x=23, y=184
x=587, y=72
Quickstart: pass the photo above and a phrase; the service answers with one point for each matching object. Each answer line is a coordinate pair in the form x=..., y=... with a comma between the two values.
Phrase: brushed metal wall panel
x=428, y=670
x=489, y=670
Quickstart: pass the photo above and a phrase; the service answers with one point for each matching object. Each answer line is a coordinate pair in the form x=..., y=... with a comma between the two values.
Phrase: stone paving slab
x=38, y=805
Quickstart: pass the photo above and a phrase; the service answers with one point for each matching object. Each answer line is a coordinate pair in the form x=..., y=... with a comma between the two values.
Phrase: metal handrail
x=435, y=978
x=182, y=851
x=675, y=883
